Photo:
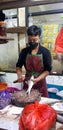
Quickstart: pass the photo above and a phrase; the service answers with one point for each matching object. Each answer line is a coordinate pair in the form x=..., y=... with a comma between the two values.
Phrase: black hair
x=34, y=30
x=2, y=16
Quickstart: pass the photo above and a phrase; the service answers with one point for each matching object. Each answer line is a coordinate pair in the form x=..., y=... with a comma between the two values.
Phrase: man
x=36, y=60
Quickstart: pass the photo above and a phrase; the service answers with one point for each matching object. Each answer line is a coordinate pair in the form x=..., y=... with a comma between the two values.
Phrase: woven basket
x=21, y=99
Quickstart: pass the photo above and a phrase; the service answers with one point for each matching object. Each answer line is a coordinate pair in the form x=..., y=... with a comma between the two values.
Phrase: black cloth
x=46, y=57
x=2, y=16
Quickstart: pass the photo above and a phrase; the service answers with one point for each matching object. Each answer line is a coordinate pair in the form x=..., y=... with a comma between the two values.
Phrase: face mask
x=33, y=45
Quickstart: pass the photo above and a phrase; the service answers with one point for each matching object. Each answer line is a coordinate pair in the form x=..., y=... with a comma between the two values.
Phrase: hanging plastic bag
x=37, y=117
x=59, y=42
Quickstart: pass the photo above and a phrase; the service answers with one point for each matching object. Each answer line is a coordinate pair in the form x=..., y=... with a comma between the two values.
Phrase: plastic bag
x=37, y=117
x=5, y=98
x=12, y=89
x=59, y=42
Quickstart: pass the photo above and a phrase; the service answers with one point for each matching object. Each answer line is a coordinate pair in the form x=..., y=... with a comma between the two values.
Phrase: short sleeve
x=47, y=61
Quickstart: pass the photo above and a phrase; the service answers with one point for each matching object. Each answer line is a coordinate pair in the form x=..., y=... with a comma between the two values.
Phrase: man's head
x=34, y=33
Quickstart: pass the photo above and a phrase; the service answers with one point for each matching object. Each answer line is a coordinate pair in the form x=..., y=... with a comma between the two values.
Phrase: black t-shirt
x=46, y=57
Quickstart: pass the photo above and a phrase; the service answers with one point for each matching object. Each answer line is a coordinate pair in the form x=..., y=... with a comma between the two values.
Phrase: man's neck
x=34, y=51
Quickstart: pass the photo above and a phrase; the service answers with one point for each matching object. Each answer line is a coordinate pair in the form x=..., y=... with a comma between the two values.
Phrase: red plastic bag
x=59, y=42
x=37, y=117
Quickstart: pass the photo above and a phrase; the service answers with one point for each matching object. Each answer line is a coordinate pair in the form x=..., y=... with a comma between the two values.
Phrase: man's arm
x=19, y=74
x=41, y=76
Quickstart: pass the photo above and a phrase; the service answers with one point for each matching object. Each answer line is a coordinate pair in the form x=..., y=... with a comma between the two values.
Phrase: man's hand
x=35, y=80
x=40, y=77
x=21, y=79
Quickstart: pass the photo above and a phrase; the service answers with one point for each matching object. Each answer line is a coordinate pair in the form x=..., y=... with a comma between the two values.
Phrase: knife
x=15, y=81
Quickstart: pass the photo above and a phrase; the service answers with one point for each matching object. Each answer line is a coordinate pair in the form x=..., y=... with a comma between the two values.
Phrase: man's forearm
x=19, y=72
x=43, y=75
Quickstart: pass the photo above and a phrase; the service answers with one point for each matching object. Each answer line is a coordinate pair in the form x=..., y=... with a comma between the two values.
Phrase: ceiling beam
x=48, y=12
x=2, y=1
x=8, y=4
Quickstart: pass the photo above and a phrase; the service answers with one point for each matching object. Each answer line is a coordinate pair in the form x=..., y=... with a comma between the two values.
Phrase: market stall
x=10, y=113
